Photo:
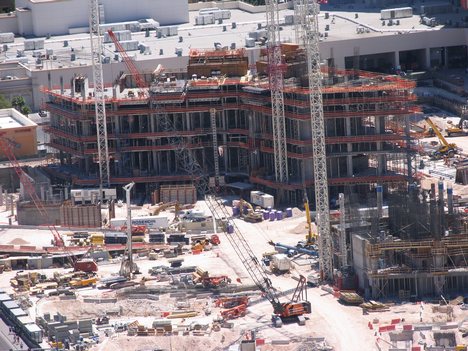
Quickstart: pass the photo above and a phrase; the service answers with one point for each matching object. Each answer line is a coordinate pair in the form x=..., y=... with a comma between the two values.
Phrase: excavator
x=251, y=216
x=445, y=149
x=163, y=206
x=459, y=130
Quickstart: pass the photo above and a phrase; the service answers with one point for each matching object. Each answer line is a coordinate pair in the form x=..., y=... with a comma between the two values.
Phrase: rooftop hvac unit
x=234, y=25
x=19, y=53
x=233, y=46
x=161, y=52
x=116, y=57
x=73, y=57
x=249, y=42
x=178, y=51
x=65, y=43
x=49, y=52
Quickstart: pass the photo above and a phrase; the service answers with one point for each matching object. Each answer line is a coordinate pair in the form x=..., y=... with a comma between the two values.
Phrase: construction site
x=252, y=200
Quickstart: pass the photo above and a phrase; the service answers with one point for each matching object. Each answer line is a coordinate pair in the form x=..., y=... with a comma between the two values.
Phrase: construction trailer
x=366, y=121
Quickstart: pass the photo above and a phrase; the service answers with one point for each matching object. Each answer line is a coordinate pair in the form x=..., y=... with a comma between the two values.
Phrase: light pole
x=127, y=263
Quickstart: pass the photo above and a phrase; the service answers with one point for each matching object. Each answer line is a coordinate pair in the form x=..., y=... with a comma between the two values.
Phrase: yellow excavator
x=459, y=130
x=251, y=216
x=445, y=149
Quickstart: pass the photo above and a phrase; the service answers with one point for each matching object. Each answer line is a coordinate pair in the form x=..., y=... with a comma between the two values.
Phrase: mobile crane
x=445, y=149
x=282, y=311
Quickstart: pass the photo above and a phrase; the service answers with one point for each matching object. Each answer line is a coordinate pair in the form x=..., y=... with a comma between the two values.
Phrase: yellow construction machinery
x=460, y=129
x=445, y=149
x=163, y=206
x=311, y=236
x=251, y=215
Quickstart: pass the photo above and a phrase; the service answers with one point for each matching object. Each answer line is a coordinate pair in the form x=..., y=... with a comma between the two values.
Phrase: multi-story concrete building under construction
x=220, y=112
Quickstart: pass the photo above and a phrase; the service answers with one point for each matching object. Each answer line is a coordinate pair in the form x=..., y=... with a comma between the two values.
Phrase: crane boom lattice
x=275, y=73
x=99, y=100
x=311, y=34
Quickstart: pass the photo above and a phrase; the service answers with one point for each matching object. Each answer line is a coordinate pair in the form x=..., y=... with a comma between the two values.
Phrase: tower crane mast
x=308, y=28
x=275, y=73
x=99, y=100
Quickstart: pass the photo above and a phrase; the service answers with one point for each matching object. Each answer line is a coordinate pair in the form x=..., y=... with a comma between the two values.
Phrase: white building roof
x=342, y=26
x=11, y=118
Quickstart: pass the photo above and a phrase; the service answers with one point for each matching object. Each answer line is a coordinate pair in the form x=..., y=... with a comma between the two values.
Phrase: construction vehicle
x=82, y=283
x=234, y=312
x=202, y=243
x=230, y=302
x=248, y=213
x=103, y=320
x=445, y=149
x=311, y=236
x=163, y=206
x=460, y=128
x=280, y=263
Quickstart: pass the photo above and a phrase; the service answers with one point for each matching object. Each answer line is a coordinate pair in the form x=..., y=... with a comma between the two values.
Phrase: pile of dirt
x=19, y=241
x=296, y=212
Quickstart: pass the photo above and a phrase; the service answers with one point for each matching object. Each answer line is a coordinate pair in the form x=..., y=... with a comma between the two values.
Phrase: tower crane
x=99, y=99
x=308, y=30
x=275, y=74
x=6, y=146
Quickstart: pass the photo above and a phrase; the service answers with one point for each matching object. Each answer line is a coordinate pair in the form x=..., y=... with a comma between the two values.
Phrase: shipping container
x=261, y=199
x=402, y=12
x=7, y=38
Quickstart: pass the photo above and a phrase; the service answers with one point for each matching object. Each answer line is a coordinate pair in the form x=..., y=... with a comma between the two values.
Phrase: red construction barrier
x=416, y=348
x=408, y=327
x=370, y=325
x=386, y=328
x=259, y=342
x=396, y=321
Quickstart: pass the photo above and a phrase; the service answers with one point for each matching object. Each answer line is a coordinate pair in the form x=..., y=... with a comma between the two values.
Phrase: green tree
x=4, y=103
x=19, y=103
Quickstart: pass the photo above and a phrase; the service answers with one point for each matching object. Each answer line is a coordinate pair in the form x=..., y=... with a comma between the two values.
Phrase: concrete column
x=428, y=58
x=65, y=193
x=397, y=60
x=446, y=57
x=450, y=199
x=379, y=201
x=12, y=207
x=1, y=195
x=42, y=193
